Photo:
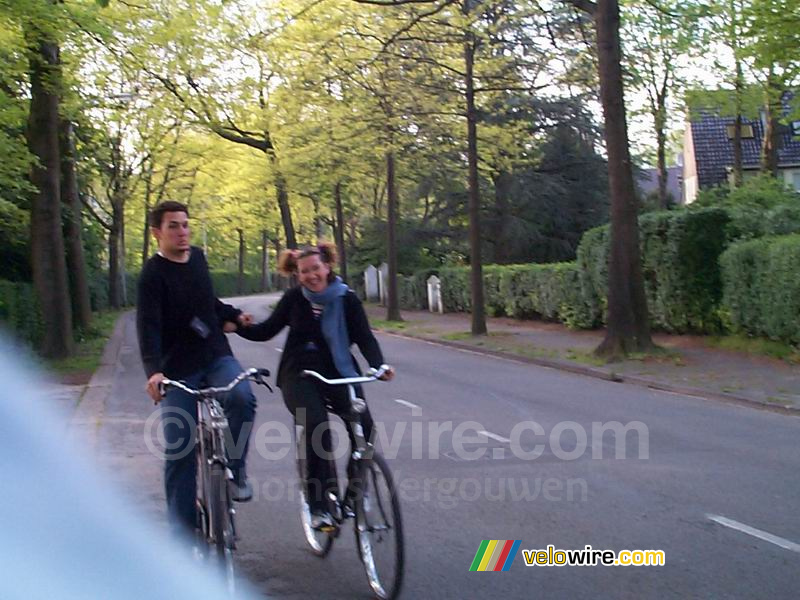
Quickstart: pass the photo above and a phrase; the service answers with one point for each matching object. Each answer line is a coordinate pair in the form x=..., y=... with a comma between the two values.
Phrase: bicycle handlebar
x=252, y=374
x=373, y=375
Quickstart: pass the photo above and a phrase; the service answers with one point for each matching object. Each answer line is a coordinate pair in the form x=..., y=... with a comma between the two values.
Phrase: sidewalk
x=689, y=367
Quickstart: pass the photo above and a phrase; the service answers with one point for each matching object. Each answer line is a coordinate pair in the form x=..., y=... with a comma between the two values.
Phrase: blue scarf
x=334, y=326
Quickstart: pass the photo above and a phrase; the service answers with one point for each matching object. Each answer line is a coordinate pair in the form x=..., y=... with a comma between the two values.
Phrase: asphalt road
x=683, y=468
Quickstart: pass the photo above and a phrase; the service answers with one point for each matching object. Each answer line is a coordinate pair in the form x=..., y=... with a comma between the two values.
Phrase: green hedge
x=19, y=311
x=545, y=291
x=761, y=292
x=680, y=252
x=225, y=283
x=413, y=290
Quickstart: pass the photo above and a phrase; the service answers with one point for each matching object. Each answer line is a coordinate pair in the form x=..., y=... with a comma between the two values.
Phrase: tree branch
x=586, y=6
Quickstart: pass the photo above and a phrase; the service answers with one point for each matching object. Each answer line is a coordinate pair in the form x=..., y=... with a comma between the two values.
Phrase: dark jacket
x=178, y=317
x=305, y=346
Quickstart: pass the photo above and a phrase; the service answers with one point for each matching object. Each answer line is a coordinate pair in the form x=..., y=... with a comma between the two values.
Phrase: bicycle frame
x=362, y=450
x=210, y=427
x=211, y=424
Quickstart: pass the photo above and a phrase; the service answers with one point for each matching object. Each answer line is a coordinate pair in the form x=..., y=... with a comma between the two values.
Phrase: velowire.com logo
x=495, y=555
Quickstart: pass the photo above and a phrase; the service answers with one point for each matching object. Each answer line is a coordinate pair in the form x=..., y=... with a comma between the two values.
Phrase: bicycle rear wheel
x=320, y=542
x=220, y=510
x=379, y=528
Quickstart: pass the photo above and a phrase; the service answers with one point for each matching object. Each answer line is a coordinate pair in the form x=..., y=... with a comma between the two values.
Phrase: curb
x=88, y=415
x=606, y=376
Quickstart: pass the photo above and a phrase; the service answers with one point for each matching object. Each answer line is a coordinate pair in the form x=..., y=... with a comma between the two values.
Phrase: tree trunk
x=661, y=155
x=392, y=302
x=265, y=283
x=280, y=282
x=123, y=277
x=738, y=175
x=76, y=262
x=148, y=191
x=283, y=203
x=319, y=232
x=47, y=242
x=240, y=275
x=771, y=142
x=114, y=254
x=476, y=266
x=339, y=230
x=628, y=325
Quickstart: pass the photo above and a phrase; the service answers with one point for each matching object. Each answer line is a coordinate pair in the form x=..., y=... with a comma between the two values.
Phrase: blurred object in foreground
x=66, y=533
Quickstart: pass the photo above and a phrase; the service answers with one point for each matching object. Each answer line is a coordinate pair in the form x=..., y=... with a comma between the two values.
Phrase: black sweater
x=175, y=302
x=305, y=346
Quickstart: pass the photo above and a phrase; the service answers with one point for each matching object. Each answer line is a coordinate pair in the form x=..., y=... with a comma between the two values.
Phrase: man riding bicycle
x=180, y=325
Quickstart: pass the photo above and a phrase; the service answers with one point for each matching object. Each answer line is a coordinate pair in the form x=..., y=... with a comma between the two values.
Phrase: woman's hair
x=287, y=261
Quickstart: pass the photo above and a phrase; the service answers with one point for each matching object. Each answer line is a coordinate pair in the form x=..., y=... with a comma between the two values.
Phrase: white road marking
x=762, y=535
x=494, y=436
x=410, y=405
x=279, y=349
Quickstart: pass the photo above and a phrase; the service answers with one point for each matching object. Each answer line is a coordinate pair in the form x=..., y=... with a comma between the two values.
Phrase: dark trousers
x=178, y=417
x=306, y=398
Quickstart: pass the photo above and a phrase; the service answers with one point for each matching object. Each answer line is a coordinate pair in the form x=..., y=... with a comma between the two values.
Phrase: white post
x=372, y=284
x=435, y=294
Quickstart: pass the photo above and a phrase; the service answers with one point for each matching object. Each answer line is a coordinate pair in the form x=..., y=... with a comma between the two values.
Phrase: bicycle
x=370, y=498
x=215, y=512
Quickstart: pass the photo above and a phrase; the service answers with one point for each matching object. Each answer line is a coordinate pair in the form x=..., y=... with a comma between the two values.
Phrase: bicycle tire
x=221, y=520
x=379, y=525
x=320, y=542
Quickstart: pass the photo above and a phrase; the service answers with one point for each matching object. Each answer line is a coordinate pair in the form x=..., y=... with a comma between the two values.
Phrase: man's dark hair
x=157, y=214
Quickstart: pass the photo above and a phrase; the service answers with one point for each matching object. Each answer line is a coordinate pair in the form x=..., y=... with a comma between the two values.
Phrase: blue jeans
x=179, y=414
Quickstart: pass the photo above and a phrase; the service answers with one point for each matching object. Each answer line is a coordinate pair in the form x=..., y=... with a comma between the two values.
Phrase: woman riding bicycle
x=324, y=317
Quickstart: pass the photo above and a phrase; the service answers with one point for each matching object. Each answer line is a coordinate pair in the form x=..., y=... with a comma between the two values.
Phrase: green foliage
x=546, y=291
x=14, y=232
x=763, y=191
x=592, y=259
x=418, y=246
x=89, y=348
x=225, y=283
x=19, y=312
x=679, y=264
x=762, y=206
x=413, y=289
x=761, y=293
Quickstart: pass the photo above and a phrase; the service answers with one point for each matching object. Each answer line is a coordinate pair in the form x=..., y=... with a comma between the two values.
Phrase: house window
x=795, y=128
x=747, y=131
x=796, y=181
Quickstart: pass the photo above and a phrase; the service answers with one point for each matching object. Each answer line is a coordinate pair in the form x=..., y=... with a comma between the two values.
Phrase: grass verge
x=754, y=345
x=88, y=349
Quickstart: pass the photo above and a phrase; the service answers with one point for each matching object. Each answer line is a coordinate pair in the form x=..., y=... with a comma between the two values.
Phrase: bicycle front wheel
x=221, y=519
x=379, y=528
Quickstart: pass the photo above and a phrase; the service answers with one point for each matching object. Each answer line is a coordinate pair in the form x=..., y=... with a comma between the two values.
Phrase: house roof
x=714, y=151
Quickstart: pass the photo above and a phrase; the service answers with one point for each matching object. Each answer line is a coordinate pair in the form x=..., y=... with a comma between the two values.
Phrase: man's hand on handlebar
x=153, y=387
x=388, y=374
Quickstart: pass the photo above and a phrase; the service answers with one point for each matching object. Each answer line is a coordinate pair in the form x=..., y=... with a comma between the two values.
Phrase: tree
x=656, y=37
x=73, y=227
x=47, y=242
x=628, y=327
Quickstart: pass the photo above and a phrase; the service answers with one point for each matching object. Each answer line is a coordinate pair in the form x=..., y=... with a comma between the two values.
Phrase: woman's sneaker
x=322, y=520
